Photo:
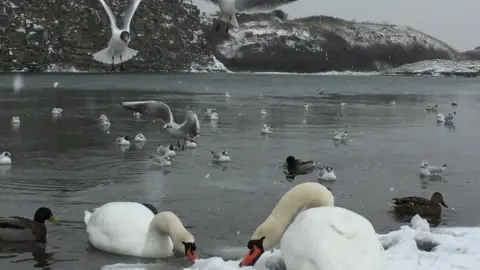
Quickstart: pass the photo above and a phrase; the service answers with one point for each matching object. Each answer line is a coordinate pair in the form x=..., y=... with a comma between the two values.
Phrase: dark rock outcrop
x=37, y=35
x=267, y=42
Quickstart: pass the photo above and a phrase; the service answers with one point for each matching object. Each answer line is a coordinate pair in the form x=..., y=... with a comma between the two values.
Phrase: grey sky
x=455, y=22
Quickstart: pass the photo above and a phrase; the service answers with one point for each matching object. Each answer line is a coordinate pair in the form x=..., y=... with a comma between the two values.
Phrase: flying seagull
x=118, y=50
x=228, y=8
x=189, y=129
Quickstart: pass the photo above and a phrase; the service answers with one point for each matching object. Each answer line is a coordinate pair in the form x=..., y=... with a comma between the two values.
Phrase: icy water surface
x=71, y=164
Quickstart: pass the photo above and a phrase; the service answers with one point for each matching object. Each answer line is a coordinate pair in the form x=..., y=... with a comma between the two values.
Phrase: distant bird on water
x=228, y=8
x=118, y=51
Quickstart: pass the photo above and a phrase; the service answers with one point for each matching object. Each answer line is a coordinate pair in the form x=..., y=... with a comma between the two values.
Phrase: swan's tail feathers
x=230, y=18
x=128, y=54
x=87, y=217
x=105, y=56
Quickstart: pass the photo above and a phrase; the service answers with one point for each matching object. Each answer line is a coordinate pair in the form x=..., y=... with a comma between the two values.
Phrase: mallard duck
x=410, y=206
x=23, y=229
x=298, y=166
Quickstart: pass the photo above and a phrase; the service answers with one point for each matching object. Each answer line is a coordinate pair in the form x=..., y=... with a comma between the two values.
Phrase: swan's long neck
x=168, y=223
x=299, y=198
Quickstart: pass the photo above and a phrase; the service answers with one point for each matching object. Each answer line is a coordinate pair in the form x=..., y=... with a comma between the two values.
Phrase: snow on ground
x=453, y=249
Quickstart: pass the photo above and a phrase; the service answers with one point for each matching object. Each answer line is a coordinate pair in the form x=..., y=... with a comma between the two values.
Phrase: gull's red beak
x=252, y=256
x=191, y=255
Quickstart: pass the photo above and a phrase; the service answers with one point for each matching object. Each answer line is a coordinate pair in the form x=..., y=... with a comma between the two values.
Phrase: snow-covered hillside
x=325, y=43
x=467, y=68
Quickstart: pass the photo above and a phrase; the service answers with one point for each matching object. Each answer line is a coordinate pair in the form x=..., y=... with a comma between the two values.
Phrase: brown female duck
x=23, y=229
x=410, y=206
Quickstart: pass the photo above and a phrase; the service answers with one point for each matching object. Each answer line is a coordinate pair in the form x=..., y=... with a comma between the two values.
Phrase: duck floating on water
x=410, y=206
x=19, y=229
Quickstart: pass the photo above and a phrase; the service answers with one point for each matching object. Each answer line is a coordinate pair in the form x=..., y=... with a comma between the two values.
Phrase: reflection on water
x=72, y=163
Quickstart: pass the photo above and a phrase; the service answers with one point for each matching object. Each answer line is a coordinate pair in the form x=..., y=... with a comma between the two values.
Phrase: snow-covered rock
x=321, y=43
x=467, y=68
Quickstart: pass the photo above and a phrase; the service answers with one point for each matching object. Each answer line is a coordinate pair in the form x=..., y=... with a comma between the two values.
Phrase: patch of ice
x=453, y=249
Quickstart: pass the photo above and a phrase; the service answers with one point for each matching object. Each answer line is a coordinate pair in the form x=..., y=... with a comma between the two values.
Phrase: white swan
x=123, y=140
x=323, y=237
x=263, y=112
x=137, y=115
x=343, y=104
x=266, y=129
x=220, y=156
x=140, y=138
x=327, y=174
x=166, y=151
x=337, y=136
x=5, y=158
x=130, y=228
x=57, y=110
x=227, y=95
x=15, y=120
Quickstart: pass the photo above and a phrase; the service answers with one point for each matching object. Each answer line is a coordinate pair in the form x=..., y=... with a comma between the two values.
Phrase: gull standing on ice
x=190, y=128
x=228, y=8
x=118, y=50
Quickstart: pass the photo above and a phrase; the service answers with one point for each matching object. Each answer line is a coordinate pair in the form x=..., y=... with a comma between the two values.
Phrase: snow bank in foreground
x=453, y=249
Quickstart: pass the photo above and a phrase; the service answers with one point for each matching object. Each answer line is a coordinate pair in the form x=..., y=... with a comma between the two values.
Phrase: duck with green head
x=298, y=166
x=23, y=229
x=410, y=206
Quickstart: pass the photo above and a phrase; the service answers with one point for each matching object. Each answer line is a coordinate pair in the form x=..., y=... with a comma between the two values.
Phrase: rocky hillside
x=62, y=35
x=270, y=42
x=170, y=35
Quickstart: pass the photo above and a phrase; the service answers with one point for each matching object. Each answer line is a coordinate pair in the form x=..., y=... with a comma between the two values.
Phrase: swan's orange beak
x=252, y=256
x=191, y=255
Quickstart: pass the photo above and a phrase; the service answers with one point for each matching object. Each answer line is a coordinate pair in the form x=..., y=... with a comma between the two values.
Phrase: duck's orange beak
x=191, y=255
x=252, y=256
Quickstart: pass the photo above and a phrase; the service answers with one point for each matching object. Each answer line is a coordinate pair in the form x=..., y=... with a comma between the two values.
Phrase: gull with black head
x=118, y=50
x=189, y=129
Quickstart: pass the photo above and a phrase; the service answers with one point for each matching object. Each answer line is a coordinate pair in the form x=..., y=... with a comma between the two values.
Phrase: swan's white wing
x=127, y=18
x=331, y=238
x=111, y=17
x=191, y=126
x=152, y=108
x=259, y=5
